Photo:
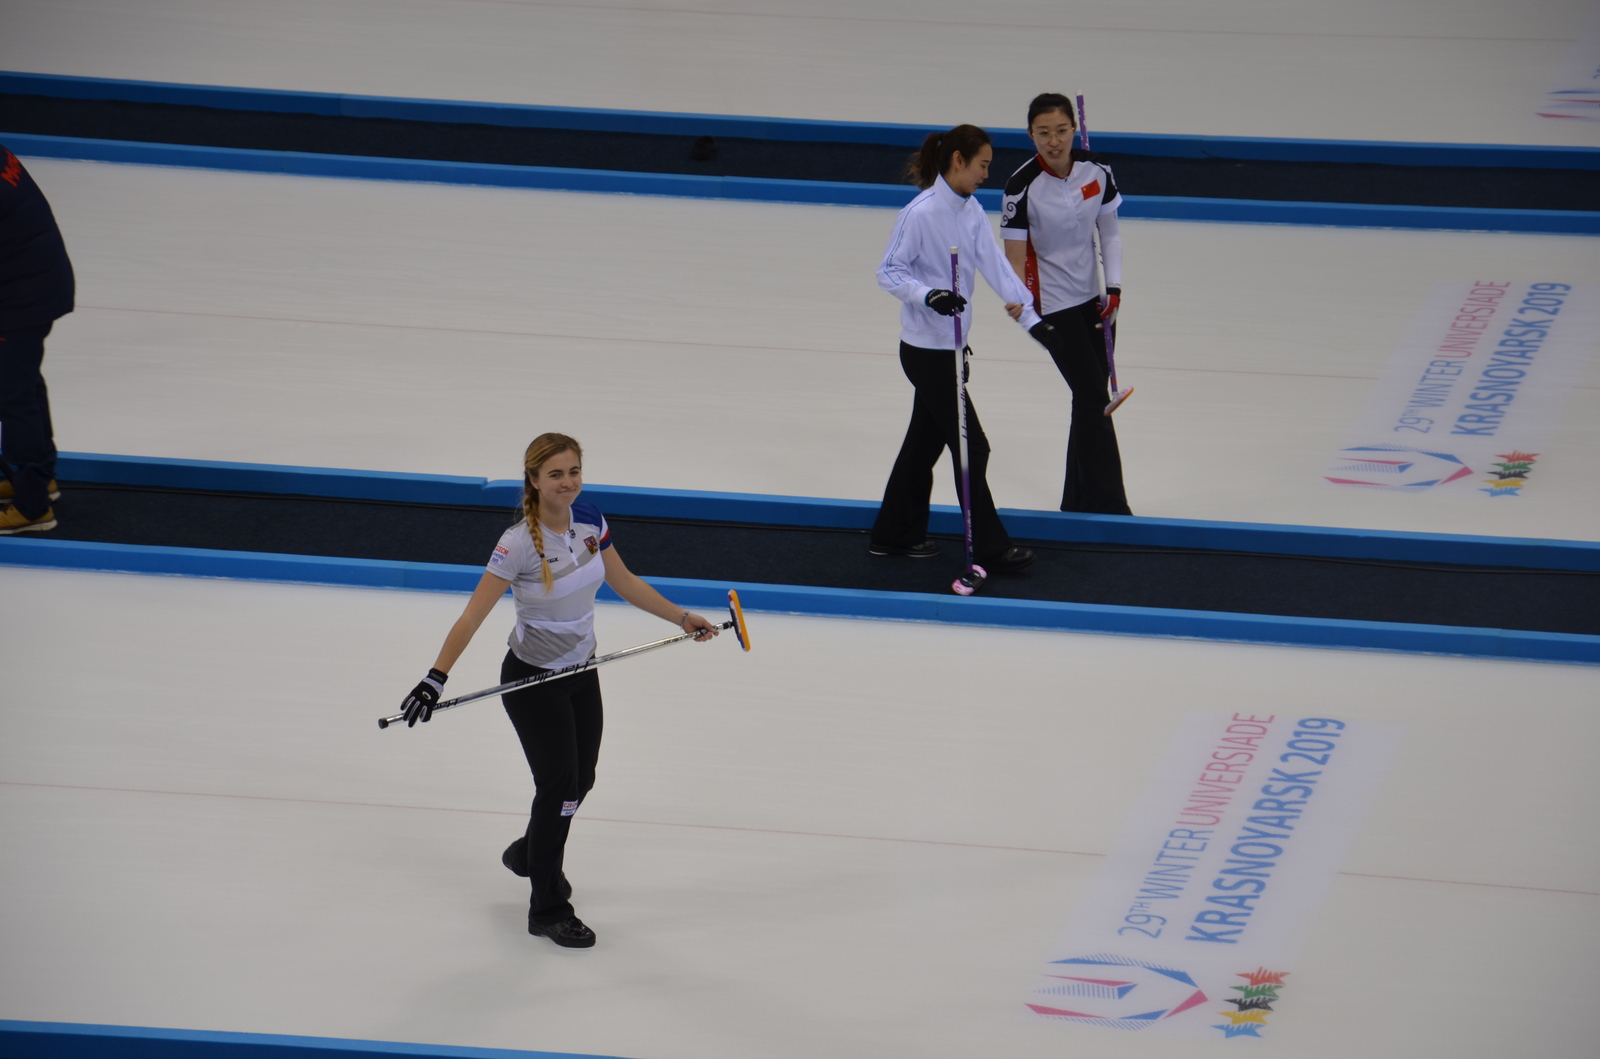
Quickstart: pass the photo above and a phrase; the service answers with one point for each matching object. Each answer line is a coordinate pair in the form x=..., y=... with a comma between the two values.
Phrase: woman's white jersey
x=555, y=628
x=918, y=261
x=1058, y=217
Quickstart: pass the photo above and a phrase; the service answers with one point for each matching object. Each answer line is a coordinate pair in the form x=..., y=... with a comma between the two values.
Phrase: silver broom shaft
x=565, y=671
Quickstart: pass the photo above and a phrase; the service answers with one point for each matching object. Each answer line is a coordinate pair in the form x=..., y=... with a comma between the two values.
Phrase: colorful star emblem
x=1241, y=1018
x=1247, y=1030
x=1255, y=1003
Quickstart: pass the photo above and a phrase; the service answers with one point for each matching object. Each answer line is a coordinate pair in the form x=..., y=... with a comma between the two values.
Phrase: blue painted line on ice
x=76, y=1040
x=545, y=178
x=161, y=473
x=836, y=602
x=1074, y=527
x=1144, y=621
x=248, y=566
x=762, y=509
x=800, y=192
x=1356, y=215
x=794, y=129
x=1380, y=152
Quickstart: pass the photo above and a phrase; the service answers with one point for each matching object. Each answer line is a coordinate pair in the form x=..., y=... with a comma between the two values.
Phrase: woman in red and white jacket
x=1054, y=204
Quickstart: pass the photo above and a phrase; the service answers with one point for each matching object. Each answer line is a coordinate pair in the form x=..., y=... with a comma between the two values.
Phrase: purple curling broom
x=973, y=577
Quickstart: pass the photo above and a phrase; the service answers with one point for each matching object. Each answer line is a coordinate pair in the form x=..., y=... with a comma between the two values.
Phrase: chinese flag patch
x=1091, y=189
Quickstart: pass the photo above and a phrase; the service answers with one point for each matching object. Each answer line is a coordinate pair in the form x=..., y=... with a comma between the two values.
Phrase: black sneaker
x=916, y=551
x=515, y=858
x=569, y=933
x=1009, y=561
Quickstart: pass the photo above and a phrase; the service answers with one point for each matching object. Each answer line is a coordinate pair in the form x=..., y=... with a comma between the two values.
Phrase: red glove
x=1108, y=308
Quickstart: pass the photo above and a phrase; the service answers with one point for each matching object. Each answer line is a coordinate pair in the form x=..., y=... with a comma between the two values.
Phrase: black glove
x=423, y=698
x=944, y=302
x=1046, y=335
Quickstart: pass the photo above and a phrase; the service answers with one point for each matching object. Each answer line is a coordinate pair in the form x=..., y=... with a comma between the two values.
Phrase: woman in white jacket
x=916, y=269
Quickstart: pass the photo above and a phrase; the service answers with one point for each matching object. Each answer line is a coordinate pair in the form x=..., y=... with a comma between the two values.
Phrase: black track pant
x=27, y=445
x=903, y=519
x=1094, y=465
x=559, y=724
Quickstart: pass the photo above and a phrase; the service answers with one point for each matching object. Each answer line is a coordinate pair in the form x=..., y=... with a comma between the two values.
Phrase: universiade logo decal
x=1403, y=469
x=1198, y=910
x=1400, y=468
x=1510, y=474
x=1473, y=391
x=1574, y=93
x=1111, y=990
x=1253, y=1004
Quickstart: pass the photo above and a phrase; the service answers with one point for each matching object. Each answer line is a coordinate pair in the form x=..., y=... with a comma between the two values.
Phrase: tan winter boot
x=14, y=521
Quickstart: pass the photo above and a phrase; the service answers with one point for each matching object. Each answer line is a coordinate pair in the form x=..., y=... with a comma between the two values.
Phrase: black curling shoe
x=515, y=858
x=1009, y=561
x=569, y=933
x=915, y=551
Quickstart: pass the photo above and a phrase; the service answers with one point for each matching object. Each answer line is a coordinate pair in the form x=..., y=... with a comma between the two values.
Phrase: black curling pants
x=27, y=444
x=559, y=724
x=1094, y=464
x=903, y=518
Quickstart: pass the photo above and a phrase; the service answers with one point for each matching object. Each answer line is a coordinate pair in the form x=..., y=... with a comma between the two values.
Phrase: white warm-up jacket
x=918, y=260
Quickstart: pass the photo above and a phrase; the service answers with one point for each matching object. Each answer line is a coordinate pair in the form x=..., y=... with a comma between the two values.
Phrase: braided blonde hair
x=539, y=450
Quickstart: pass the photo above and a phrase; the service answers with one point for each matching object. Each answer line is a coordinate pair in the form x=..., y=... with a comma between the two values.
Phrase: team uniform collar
x=947, y=194
x=1045, y=167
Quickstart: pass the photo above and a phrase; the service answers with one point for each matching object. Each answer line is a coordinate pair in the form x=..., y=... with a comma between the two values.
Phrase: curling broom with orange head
x=735, y=622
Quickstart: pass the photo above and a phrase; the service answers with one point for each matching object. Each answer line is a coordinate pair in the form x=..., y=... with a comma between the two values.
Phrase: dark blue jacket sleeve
x=36, y=282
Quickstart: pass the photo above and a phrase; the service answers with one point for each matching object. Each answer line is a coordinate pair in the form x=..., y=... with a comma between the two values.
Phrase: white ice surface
x=860, y=839
x=1460, y=71
x=731, y=346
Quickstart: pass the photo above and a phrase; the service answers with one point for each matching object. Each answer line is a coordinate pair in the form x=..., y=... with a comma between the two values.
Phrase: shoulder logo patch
x=499, y=555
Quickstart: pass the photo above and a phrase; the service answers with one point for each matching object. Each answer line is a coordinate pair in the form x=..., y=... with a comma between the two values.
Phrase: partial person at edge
x=36, y=289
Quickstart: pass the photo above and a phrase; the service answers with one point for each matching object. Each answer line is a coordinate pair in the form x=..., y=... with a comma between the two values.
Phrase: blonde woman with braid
x=554, y=560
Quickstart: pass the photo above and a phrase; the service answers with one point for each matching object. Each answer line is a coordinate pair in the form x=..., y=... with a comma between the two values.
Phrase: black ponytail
x=938, y=152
